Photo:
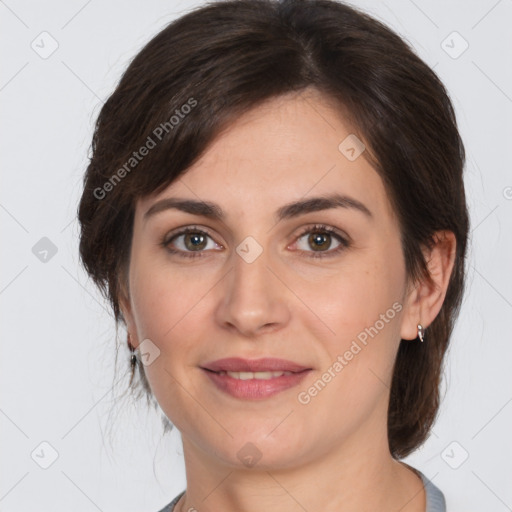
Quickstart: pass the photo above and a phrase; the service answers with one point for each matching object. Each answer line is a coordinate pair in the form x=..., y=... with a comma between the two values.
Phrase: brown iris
x=319, y=241
x=197, y=241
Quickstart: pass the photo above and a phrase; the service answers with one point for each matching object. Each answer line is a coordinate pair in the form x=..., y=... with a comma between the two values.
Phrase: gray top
x=435, y=498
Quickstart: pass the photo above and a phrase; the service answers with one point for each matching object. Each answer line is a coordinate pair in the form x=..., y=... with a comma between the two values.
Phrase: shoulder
x=434, y=497
x=170, y=506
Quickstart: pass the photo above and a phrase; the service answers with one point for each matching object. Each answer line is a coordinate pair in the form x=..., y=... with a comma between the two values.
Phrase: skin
x=329, y=454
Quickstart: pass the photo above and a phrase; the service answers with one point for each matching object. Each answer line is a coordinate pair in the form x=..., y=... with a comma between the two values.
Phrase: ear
x=126, y=308
x=425, y=300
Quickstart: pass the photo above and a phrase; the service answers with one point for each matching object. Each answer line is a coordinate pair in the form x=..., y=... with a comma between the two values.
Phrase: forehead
x=283, y=150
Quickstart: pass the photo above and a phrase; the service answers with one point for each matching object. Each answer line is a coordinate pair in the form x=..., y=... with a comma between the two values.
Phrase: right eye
x=190, y=242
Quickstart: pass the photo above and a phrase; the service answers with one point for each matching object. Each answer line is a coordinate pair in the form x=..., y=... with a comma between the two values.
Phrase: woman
x=275, y=208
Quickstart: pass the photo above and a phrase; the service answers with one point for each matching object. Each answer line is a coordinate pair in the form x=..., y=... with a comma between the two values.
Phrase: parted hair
x=222, y=59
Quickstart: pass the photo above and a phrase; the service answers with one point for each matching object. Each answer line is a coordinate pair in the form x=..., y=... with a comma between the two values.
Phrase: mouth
x=254, y=379
x=253, y=375
x=262, y=365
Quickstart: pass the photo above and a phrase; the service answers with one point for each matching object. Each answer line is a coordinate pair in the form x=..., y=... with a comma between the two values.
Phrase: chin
x=254, y=449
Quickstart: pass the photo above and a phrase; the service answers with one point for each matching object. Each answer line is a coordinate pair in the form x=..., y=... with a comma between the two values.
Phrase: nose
x=253, y=299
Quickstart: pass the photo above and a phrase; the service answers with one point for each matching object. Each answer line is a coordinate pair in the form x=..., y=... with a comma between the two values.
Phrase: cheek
x=355, y=297
x=167, y=307
x=162, y=296
x=362, y=305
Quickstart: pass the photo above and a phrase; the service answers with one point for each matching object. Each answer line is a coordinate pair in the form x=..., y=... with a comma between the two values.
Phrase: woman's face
x=264, y=282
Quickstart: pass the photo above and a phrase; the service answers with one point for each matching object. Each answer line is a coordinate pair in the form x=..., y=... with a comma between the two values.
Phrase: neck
x=359, y=475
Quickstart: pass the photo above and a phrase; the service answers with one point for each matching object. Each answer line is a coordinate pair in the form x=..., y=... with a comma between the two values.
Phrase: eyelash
x=317, y=228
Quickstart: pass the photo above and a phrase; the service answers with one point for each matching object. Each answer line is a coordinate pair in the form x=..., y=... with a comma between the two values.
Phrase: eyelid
x=175, y=233
x=325, y=228
x=187, y=229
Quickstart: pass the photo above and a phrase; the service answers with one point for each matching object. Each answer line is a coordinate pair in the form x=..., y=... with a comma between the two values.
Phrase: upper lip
x=238, y=364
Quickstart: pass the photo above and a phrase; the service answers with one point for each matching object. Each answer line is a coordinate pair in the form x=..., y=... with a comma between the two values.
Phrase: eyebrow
x=288, y=211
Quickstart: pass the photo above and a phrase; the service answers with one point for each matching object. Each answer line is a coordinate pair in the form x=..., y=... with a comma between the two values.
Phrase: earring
x=421, y=332
x=133, y=357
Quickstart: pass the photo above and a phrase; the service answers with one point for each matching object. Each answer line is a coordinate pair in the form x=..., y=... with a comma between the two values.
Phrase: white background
x=58, y=339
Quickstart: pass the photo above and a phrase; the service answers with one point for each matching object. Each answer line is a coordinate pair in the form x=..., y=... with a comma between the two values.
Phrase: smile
x=255, y=375
x=254, y=385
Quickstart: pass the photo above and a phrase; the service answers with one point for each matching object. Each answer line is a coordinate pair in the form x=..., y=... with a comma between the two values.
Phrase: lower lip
x=255, y=388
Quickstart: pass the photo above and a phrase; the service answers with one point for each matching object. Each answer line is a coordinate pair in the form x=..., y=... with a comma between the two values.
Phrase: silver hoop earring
x=421, y=332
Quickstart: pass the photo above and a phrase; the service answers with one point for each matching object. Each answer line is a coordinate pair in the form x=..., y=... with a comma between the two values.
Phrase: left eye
x=191, y=241
x=321, y=241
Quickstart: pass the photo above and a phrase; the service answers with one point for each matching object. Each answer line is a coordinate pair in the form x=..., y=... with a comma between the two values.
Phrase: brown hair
x=220, y=60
